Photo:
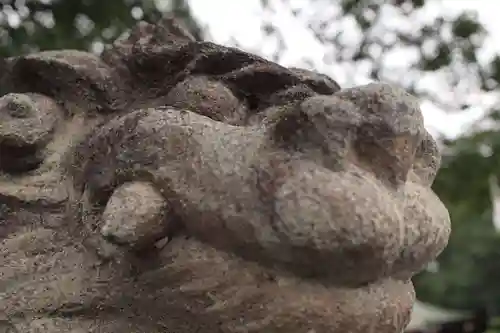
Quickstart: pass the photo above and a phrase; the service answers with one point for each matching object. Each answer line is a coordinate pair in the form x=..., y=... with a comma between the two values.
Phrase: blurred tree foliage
x=434, y=54
x=410, y=42
x=470, y=266
x=31, y=25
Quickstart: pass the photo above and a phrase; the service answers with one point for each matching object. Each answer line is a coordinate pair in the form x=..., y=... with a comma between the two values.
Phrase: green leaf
x=466, y=25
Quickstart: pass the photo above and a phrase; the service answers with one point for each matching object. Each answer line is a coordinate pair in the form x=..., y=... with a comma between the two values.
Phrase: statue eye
x=27, y=124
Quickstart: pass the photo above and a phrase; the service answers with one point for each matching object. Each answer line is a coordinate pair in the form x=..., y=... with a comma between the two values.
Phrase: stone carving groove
x=178, y=185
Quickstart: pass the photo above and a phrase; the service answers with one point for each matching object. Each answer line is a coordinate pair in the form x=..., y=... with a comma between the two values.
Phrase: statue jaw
x=247, y=296
x=207, y=287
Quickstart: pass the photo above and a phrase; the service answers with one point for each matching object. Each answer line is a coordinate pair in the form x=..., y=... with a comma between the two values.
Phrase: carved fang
x=135, y=216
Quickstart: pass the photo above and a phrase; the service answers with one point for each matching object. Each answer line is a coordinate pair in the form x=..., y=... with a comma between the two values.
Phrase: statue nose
x=390, y=131
x=377, y=127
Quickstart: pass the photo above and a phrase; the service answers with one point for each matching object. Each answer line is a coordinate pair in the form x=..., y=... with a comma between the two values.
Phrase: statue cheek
x=347, y=221
x=427, y=229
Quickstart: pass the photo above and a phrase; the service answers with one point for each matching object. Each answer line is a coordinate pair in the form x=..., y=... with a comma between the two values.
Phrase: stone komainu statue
x=173, y=185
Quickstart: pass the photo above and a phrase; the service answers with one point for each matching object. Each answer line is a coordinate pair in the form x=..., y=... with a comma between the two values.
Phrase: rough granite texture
x=174, y=185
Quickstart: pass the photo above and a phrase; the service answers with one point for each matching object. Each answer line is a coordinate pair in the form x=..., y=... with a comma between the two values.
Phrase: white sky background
x=229, y=20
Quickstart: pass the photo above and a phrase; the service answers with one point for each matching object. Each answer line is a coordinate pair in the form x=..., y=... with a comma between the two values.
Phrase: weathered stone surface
x=181, y=186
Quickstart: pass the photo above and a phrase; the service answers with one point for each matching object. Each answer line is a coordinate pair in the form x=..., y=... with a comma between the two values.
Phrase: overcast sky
x=241, y=20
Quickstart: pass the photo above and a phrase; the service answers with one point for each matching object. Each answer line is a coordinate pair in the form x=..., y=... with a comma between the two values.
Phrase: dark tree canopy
x=27, y=25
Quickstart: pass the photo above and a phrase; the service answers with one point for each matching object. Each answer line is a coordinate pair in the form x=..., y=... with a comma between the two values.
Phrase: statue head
x=178, y=185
